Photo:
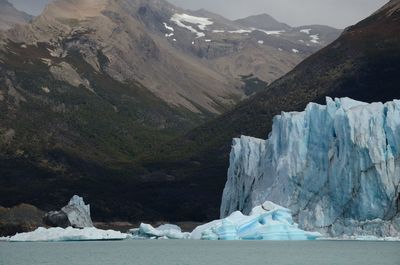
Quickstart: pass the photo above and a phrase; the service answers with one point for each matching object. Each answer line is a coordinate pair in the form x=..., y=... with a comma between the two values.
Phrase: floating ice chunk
x=6, y=238
x=265, y=222
x=295, y=51
x=76, y=214
x=218, y=31
x=167, y=231
x=260, y=42
x=207, y=40
x=67, y=234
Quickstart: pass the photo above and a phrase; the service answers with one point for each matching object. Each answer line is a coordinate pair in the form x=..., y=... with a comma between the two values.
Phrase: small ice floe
x=295, y=51
x=260, y=42
x=167, y=231
x=68, y=234
x=207, y=40
x=218, y=31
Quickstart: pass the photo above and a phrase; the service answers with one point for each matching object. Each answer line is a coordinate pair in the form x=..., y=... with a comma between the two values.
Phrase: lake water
x=169, y=252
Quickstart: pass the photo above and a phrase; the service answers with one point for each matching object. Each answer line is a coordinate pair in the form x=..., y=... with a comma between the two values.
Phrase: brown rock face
x=21, y=218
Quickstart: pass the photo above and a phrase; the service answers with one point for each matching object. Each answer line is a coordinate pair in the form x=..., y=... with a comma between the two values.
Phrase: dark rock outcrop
x=18, y=219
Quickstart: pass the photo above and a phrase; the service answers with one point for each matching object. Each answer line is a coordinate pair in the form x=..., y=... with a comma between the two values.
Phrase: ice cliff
x=337, y=167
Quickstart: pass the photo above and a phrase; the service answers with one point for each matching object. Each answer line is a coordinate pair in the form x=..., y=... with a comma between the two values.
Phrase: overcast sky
x=337, y=13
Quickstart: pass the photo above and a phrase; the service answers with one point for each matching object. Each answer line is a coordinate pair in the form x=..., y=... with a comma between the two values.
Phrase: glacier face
x=337, y=167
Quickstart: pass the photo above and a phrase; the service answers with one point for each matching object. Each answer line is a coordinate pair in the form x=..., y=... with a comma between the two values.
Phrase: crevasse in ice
x=337, y=167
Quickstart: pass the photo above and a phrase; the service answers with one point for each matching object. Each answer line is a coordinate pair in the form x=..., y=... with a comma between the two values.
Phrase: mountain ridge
x=10, y=16
x=84, y=95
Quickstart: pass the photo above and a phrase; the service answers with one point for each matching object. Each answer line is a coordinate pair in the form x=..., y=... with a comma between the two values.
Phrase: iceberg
x=167, y=231
x=337, y=167
x=67, y=234
x=76, y=214
x=266, y=222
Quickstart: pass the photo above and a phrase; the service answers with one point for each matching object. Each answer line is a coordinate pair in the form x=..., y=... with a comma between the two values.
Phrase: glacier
x=265, y=222
x=336, y=166
x=55, y=234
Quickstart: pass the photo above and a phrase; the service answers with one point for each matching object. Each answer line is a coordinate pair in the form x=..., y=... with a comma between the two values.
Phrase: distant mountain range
x=89, y=87
x=10, y=16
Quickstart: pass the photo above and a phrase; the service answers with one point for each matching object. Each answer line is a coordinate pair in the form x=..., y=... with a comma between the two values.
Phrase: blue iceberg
x=265, y=222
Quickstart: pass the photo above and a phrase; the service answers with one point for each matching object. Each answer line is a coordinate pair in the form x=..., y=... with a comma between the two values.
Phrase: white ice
x=265, y=222
x=200, y=22
x=67, y=234
x=306, y=31
x=167, y=231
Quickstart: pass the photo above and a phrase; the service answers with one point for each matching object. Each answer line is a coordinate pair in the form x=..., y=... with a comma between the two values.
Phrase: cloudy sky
x=338, y=13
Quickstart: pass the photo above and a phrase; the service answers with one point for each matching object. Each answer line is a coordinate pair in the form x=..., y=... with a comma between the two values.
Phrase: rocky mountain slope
x=89, y=85
x=362, y=64
x=10, y=16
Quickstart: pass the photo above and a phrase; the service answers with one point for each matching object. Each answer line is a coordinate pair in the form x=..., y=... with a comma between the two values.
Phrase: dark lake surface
x=169, y=252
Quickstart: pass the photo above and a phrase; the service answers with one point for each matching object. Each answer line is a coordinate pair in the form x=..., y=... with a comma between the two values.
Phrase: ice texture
x=167, y=231
x=67, y=234
x=76, y=214
x=265, y=222
x=337, y=167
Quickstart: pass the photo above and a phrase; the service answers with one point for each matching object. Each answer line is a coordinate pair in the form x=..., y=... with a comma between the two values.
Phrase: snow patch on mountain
x=314, y=38
x=182, y=20
x=306, y=31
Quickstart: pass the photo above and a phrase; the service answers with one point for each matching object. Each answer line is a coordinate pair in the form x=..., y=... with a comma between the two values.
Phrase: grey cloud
x=338, y=13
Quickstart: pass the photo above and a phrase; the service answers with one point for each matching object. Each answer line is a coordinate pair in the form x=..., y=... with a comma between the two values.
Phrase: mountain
x=335, y=166
x=10, y=16
x=362, y=64
x=89, y=86
x=262, y=21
